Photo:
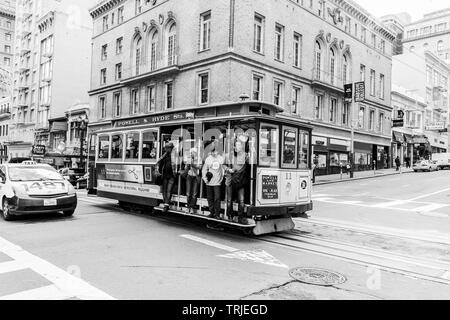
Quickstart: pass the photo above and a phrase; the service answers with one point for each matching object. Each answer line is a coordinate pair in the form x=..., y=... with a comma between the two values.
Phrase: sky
x=416, y=8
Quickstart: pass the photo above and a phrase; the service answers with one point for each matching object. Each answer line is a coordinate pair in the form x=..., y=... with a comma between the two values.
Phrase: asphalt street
x=390, y=238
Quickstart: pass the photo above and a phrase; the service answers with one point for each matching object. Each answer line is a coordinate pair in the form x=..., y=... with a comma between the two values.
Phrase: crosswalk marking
x=64, y=284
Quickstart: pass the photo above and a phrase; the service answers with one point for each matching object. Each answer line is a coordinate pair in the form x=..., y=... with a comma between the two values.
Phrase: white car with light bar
x=34, y=189
x=425, y=165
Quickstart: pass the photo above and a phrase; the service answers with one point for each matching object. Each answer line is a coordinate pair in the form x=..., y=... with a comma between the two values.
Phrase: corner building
x=155, y=56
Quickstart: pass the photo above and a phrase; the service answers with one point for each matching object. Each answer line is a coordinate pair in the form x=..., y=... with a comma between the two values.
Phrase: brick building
x=153, y=56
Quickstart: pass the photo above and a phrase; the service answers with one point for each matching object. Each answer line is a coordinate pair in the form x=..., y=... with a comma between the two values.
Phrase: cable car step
x=251, y=224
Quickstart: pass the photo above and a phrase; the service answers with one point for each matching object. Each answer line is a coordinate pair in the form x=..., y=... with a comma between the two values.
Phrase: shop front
x=330, y=155
x=421, y=148
x=399, y=148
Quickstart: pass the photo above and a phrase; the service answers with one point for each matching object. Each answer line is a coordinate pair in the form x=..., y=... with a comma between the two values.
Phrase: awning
x=408, y=138
x=398, y=137
x=59, y=126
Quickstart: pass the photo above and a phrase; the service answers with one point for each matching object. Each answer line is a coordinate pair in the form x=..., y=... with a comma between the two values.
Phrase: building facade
x=154, y=56
x=51, y=73
x=396, y=23
x=424, y=78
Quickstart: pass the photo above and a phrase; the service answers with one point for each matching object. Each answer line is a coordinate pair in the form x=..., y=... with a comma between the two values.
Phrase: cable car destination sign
x=154, y=119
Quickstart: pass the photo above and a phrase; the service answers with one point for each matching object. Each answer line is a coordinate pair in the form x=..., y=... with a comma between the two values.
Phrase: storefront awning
x=59, y=126
x=398, y=137
x=408, y=138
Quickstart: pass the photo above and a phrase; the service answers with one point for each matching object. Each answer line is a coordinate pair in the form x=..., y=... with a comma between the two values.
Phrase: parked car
x=34, y=189
x=425, y=165
x=72, y=175
x=443, y=160
x=82, y=182
x=19, y=160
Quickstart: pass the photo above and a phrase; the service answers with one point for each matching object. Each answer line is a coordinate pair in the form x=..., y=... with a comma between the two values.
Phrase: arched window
x=171, y=44
x=318, y=58
x=137, y=56
x=346, y=69
x=440, y=45
x=153, y=50
x=332, y=66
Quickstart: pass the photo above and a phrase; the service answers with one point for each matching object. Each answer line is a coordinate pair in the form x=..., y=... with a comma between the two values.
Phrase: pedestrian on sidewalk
x=397, y=163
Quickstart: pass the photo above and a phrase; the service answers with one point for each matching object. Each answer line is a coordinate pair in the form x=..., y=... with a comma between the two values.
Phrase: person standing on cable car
x=213, y=174
x=193, y=179
x=168, y=170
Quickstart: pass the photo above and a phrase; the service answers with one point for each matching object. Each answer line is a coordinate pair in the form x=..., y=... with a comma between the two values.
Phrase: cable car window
x=149, y=145
x=303, y=150
x=132, y=152
x=268, y=145
x=289, y=157
x=103, y=147
x=117, y=147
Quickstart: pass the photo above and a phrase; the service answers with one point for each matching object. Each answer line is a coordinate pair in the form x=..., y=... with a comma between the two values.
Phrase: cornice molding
x=104, y=7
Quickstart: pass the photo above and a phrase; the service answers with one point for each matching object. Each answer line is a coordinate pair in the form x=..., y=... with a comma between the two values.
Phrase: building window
x=279, y=42
x=151, y=98
x=297, y=50
x=318, y=107
x=8, y=49
x=137, y=56
x=138, y=8
x=381, y=86
x=205, y=31
x=257, y=88
x=104, y=52
x=383, y=46
x=332, y=66
x=8, y=36
x=117, y=104
x=318, y=60
x=120, y=15
x=134, y=101
x=374, y=40
x=103, y=76
x=321, y=9
x=153, y=50
x=348, y=23
x=277, y=93
x=258, y=37
x=105, y=23
x=372, y=82
x=361, y=117
x=119, y=45
x=345, y=114
x=118, y=71
x=371, y=119
x=8, y=24
x=429, y=75
x=381, y=122
x=102, y=107
x=7, y=61
x=171, y=44
x=203, y=88
x=346, y=69
x=296, y=96
x=333, y=110
x=363, y=34
x=169, y=95
x=440, y=46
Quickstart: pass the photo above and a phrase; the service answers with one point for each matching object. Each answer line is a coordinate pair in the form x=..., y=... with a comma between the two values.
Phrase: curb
x=361, y=178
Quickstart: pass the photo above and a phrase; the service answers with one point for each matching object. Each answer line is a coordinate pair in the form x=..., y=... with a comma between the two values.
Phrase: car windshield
x=33, y=174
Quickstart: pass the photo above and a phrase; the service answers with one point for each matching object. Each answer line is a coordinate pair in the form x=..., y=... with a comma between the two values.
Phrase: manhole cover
x=319, y=277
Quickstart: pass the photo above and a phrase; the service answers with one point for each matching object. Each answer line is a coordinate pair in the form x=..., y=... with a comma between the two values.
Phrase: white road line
x=389, y=204
x=209, y=243
x=430, y=207
x=66, y=283
x=11, y=266
x=44, y=293
x=429, y=194
x=97, y=201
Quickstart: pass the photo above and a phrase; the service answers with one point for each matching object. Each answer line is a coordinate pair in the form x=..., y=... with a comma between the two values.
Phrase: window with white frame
x=333, y=66
x=171, y=44
x=118, y=71
x=205, y=31
x=333, y=110
x=203, y=81
x=277, y=93
x=318, y=106
x=297, y=50
x=348, y=24
x=153, y=46
x=119, y=45
x=372, y=120
x=120, y=15
x=345, y=114
x=151, y=98
x=318, y=60
x=346, y=69
x=169, y=95
x=381, y=86
x=296, y=98
x=279, y=42
x=138, y=8
x=361, y=117
x=117, y=100
x=374, y=40
x=138, y=56
x=105, y=23
x=134, y=101
x=103, y=76
x=258, y=34
x=372, y=82
x=101, y=106
x=381, y=122
x=257, y=87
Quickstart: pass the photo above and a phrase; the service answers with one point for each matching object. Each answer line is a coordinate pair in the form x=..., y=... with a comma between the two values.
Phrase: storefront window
x=132, y=152
x=103, y=147
x=303, y=150
x=320, y=160
x=289, y=159
x=117, y=147
x=149, y=145
x=268, y=145
x=338, y=159
x=363, y=159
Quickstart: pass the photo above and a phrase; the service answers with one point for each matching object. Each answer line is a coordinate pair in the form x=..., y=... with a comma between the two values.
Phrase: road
x=389, y=237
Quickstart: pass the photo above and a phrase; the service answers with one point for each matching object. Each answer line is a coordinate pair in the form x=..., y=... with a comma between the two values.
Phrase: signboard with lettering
x=38, y=150
x=348, y=92
x=435, y=126
x=121, y=172
x=154, y=119
x=269, y=187
x=397, y=123
x=360, y=91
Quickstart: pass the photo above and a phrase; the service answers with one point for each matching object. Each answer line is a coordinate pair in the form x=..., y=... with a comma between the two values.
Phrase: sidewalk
x=361, y=175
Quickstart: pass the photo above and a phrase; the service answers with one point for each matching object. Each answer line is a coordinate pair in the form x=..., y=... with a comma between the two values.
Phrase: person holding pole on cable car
x=193, y=179
x=213, y=174
x=168, y=169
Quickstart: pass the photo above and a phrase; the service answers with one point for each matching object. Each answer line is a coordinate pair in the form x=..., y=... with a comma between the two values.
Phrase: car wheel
x=6, y=210
x=68, y=213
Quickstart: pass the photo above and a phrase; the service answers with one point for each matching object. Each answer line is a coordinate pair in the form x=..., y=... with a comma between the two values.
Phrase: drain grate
x=315, y=276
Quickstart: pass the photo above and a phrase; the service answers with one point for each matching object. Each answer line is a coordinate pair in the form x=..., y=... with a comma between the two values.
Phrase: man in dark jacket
x=397, y=163
x=168, y=170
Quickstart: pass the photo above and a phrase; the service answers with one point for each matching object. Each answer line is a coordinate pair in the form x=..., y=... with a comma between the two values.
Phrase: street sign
x=360, y=91
x=396, y=123
x=348, y=92
x=435, y=126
